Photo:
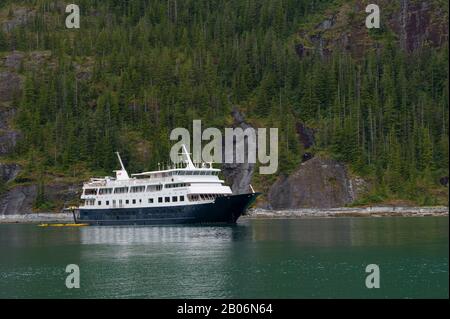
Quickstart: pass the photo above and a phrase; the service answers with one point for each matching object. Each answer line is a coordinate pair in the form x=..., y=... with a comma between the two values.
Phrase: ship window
x=127, y=201
x=177, y=185
x=167, y=199
x=160, y=200
x=120, y=190
x=174, y=199
x=99, y=203
x=137, y=189
x=107, y=202
x=103, y=191
x=90, y=191
x=140, y=200
x=194, y=198
x=134, y=201
x=150, y=200
x=181, y=198
x=153, y=188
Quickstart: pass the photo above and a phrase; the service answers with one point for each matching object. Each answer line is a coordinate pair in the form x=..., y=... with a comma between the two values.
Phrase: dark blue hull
x=225, y=210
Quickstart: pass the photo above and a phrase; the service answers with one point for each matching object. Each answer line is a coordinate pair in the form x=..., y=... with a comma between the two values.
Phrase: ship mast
x=121, y=174
x=187, y=158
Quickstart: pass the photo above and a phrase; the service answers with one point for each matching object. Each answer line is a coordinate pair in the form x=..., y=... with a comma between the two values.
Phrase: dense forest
x=137, y=69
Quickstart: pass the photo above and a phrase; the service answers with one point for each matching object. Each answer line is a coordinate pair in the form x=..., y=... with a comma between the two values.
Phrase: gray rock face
x=8, y=140
x=5, y=117
x=14, y=60
x=8, y=172
x=419, y=23
x=20, y=16
x=319, y=183
x=415, y=23
x=10, y=84
x=8, y=136
x=62, y=193
x=18, y=200
x=238, y=175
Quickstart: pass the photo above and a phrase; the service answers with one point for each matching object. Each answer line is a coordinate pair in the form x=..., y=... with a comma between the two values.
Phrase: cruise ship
x=185, y=193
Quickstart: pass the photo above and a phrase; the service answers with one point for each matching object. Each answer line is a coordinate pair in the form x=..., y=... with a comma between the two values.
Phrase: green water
x=265, y=258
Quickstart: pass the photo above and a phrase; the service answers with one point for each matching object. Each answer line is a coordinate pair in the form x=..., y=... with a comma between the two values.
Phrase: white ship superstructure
x=181, y=194
x=182, y=184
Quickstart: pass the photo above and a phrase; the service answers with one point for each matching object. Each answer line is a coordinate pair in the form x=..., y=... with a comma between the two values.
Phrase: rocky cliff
x=414, y=24
x=238, y=175
x=319, y=183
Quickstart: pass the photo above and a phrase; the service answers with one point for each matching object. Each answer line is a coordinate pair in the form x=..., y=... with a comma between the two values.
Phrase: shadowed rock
x=8, y=172
x=238, y=175
x=8, y=140
x=18, y=200
x=8, y=137
x=10, y=84
x=305, y=134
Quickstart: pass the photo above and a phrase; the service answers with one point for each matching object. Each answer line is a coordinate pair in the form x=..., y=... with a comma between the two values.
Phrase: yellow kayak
x=62, y=225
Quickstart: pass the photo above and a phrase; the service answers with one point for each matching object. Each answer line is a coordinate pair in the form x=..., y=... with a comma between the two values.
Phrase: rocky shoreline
x=374, y=211
x=36, y=218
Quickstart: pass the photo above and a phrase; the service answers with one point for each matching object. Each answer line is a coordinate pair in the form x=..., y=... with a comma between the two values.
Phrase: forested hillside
x=137, y=69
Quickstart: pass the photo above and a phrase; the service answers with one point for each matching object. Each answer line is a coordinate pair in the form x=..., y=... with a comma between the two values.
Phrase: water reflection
x=165, y=234
x=163, y=262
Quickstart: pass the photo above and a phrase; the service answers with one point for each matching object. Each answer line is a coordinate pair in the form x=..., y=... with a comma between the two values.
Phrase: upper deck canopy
x=177, y=171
